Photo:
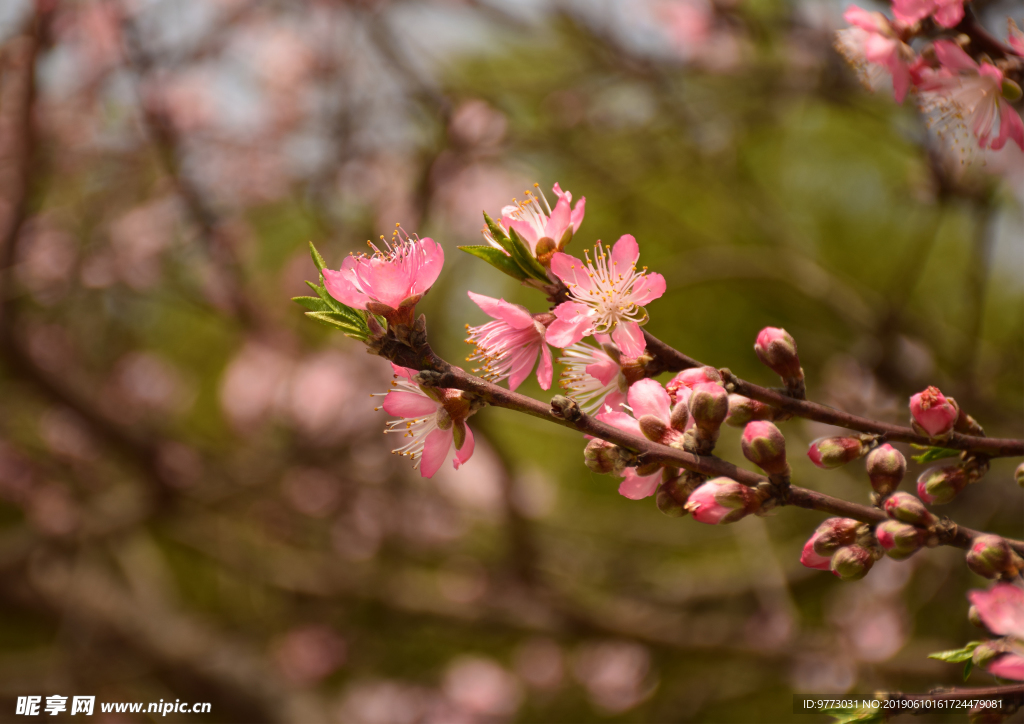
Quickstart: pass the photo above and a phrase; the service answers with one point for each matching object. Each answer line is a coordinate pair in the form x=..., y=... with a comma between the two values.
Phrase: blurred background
x=196, y=500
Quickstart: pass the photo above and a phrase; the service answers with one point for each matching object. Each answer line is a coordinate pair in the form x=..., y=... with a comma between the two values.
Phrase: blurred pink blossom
x=482, y=687
x=616, y=674
x=308, y=654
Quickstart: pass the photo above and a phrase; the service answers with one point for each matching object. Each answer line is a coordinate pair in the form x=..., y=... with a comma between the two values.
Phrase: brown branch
x=981, y=38
x=667, y=359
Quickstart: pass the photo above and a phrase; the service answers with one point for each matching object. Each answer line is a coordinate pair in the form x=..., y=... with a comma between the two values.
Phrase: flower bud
x=709, y=404
x=671, y=497
x=691, y=378
x=932, y=413
x=907, y=508
x=722, y=500
x=900, y=540
x=680, y=418
x=833, y=534
x=886, y=468
x=602, y=456
x=832, y=452
x=764, y=445
x=940, y=484
x=975, y=618
x=990, y=556
x=852, y=563
x=743, y=410
x=986, y=652
x=1018, y=475
x=652, y=427
x=810, y=558
x=777, y=349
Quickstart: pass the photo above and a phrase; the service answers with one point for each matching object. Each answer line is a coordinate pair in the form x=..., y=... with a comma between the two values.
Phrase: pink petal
x=561, y=194
x=647, y=288
x=604, y=371
x=388, y=282
x=466, y=452
x=514, y=315
x=625, y=253
x=952, y=56
x=910, y=11
x=812, y=560
x=638, y=487
x=951, y=14
x=340, y=286
x=577, y=213
x=564, y=332
x=545, y=368
x=620, y=420
x=863, y=19
x=559, y=220
x=402, y=403
x=1001, y=609
x=571, y=270
x=526, y=231
x=1011, y=126
x=403, y=371
x=522, y=366
x=900, y=78
x=614, y=401
x=435, y=450
x=430, y=266
x=629, y=338
x=648, y=397
x=879, y=49
x=1009, y=666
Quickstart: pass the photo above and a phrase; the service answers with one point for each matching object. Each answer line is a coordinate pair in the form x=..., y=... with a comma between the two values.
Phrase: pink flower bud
x=764, y=445
x=938, y=485
x=852, y=563
x=886, y=468
x=691, y=378
x=907, y=508
x=932, y=413
x=777, y=349
x=722, y=500
x=602, y=456
x=832, y=452
x=811, y=559
x=900, y=540
x=743, y=410
x=833, y=534
x=709, y=404
x=990, y=556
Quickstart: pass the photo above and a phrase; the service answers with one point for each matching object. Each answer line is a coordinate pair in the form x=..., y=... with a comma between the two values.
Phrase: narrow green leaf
x=931, y=454
x=332, y=319
x=956, y=655
x=521, y=253
x=313, y=304
x=496, y=231
x=968, y=667
x=354, y=315
x=496, y=258
x=317, y=259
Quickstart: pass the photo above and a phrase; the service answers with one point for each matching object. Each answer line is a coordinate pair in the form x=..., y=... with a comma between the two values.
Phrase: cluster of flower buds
x=886, y=467
x=776, y=349
x=842, y=545
x=834, y=452
x=723, y=500
x=764, y=445
x=990, y=556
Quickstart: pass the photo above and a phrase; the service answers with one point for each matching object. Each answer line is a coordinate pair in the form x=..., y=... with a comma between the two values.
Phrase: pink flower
x=948, y=13
x=432, y=419
x=534, y=220
x=872, y=44
x=932, y=412
x=721, y=500
x=1015, y=37
x=607, y=295
x=391, y=281
x=634, y=486
x=593, y=377
x=691, y=378
x=812, y=560
x=964, y=94
x=509, y=346
x=658, y=419
x=1002, y=611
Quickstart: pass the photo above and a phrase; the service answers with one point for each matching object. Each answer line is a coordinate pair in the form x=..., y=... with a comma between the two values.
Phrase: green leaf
x=337, y=321
x=355, y=316
x=317, y=259
x=968, y=667
x=931, y=454
x=860, y=714
x=313, y=304
x=956, y=655
x=496, y=258
x=521, y=253
x=496, y=231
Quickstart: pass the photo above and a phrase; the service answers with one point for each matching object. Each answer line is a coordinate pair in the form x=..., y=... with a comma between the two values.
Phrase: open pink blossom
x=634, y=486
x=534, y=220
x=607, y=295
x=1002, y=611
x=947, y=13
x=660, y=420
x=872, y=45
x=391, y=280
x=509, y=345
x=965, y=94
x=932, y=412
x=432, y=419
x=593, y=377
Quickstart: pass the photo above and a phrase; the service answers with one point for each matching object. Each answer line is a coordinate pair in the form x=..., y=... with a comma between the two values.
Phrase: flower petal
x=864, y=19
x=522, y=365
x=604, y=371
x=625, y=253
x=559, y=220
x=620, y=420
x=573, y=323
x=629, y=338
x=466, y=451
x=648, y=397
x=527, y=232
x=1010, y=666
x=638, y=487
x=1001, y=609
x=514, y=315
x=571, y=270
x=952, y=56
x=435, y=450
x=950, y=15
x=342, y=287
x=545, y=368
x=577, y=213
x=430, y=265
x=647, y=288
x=402, y=403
